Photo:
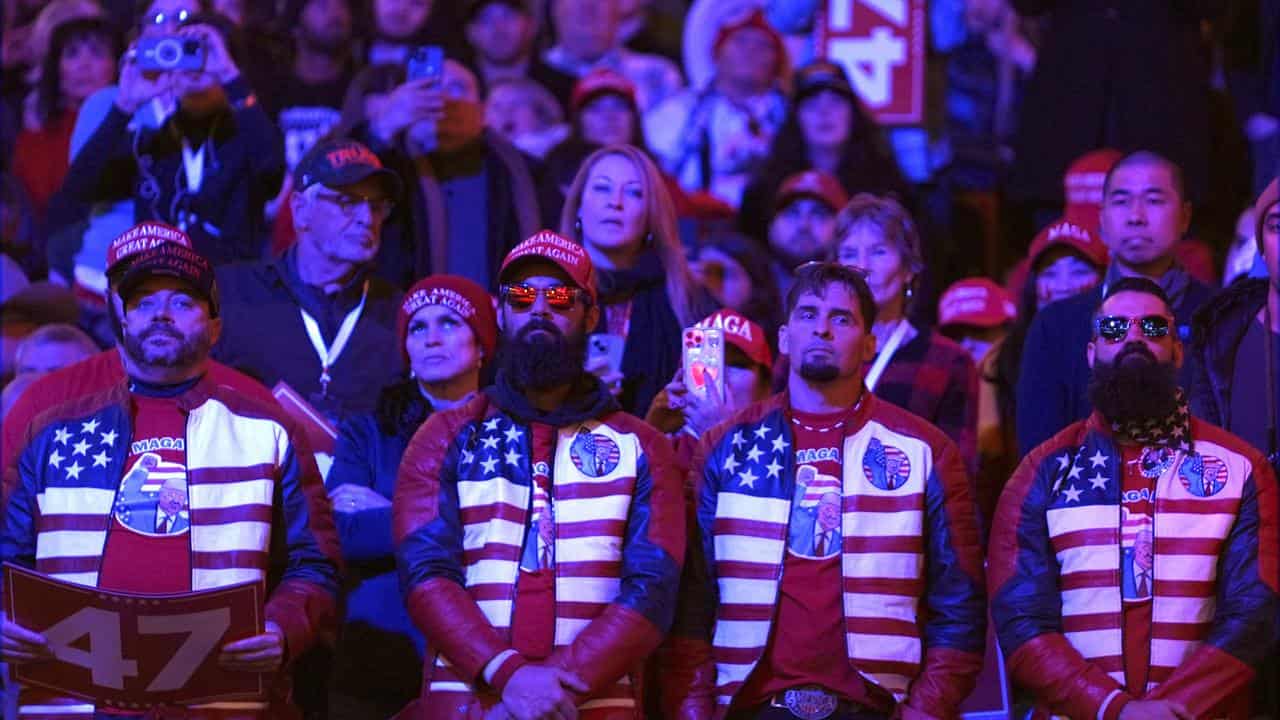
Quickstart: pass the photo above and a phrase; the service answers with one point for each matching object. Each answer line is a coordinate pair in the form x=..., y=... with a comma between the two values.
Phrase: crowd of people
x=390, y=305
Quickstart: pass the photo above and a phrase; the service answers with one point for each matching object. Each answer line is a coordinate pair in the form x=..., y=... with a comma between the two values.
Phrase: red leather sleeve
x=613, y=644
x=452, y=622
x=1061, y=678
x=688, y=679
x=944, y=682
x=1204, y=681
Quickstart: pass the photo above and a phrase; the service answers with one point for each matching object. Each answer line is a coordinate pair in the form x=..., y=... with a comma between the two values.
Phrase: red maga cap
x=1072, y=233
x=976, y=301
x=557, y=249
x=815, y=184
x=598, y=82
x=745, y=335
x=142, y=237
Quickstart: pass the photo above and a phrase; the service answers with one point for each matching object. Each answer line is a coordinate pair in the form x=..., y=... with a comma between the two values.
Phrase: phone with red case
x=704, y=360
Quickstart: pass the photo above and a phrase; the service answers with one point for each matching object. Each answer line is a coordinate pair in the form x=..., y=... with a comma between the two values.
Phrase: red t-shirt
x=148, y=547
x=1142, y=466
x=807, y=644
x=533, y=615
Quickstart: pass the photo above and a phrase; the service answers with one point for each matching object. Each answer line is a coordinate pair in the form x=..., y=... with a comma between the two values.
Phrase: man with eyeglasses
x=539, y=529
x=1144, y=215
x=837, y=572
x=1132, y=565
x=317, y=318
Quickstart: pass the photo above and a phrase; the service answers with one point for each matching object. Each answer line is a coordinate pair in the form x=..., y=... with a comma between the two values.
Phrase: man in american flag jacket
x=92, y=477
x=1133, y=560
x=539, y=529
x=837, y=571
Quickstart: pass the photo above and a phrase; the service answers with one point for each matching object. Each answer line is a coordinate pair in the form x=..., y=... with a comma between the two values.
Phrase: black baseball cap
x=342, y=161
x=170, y=259
x=822, y=75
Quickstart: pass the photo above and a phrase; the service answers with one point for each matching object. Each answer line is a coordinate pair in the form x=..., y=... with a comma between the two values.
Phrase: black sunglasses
x=1114, y=328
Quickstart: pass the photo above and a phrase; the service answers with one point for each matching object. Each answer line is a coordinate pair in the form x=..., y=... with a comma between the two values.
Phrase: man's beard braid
x=189, y=352
x=541, y=363
x=1134, y=386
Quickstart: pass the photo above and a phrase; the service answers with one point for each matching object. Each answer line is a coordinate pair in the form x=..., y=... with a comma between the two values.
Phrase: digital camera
x=170, y=52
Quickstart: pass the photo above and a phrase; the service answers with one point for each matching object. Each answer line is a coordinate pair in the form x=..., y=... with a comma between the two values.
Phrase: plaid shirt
x=935, y=378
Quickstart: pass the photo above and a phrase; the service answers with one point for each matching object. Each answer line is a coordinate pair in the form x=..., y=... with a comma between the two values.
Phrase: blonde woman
x=915, y=368
x=619, y=209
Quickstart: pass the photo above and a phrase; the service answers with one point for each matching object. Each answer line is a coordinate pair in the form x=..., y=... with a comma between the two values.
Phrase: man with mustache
x=1144, y=215
x=776, y=624
x=804, y=222
x=73, y=511
x=1140, y=481
x=539, y=529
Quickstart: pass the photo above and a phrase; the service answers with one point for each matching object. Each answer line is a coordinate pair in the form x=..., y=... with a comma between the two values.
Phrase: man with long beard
x=73, y=510
x=838, y=573
x=539, y=529
x=1133, y=560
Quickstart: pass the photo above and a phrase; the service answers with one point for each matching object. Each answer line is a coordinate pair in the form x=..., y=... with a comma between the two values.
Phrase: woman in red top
x=81, y=61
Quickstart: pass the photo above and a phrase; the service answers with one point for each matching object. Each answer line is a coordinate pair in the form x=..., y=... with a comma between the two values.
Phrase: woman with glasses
x=915, y=367
x=446, y=332
x=619, y=209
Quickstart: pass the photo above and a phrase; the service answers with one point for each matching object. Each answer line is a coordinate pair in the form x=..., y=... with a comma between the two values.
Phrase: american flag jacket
x=258, y=509
x=460, y=517
x=915, y=615
x=1055, y=573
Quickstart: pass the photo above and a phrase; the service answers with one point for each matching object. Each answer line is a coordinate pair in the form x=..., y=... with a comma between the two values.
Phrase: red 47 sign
x=135, y=651
x=881, y=44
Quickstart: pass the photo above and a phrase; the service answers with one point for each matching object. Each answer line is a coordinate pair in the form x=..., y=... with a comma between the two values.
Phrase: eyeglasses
x=1115, y=328
x=520, y=296
x=348, y=204
x=180, y=17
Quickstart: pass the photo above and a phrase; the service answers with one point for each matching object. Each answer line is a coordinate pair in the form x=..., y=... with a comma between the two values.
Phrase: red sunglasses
x=520, y=296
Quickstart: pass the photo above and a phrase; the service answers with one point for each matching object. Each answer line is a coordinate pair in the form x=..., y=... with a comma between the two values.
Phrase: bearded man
x=1133, y=559
x=76, y=509
x=539, y=529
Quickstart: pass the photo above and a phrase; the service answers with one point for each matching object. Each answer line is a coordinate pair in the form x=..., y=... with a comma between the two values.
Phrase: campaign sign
x=881, y=44
x=129, y=651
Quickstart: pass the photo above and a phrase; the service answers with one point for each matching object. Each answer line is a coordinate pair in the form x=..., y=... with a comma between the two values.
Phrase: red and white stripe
x=882, y=566
x=591, y=518
x=1189, y=532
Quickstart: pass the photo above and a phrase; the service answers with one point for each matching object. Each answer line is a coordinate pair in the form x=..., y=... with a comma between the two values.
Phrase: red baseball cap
x=598, y=82
x=1071, y=232
x=752, y=19
x=140, y=238
x=976, y=301
x=557, y=249
x=1082, y=185
x=466, y=298
x=816, y=184
x=745, y=335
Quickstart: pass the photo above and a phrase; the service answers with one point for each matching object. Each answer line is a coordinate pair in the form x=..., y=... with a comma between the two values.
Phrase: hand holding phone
x=704, y=361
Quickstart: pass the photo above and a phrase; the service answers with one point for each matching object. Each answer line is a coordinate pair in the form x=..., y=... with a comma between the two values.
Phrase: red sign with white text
x=127, y=651
x=881, y=44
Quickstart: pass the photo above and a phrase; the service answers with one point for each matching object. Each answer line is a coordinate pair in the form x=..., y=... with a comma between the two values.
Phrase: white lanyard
x=886, y=354
x=329, y=355
x=193, y=164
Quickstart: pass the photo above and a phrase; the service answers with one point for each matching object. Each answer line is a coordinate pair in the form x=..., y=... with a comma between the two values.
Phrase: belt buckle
x=810, y=702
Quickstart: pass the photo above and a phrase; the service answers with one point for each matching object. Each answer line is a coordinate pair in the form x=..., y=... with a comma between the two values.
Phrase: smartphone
x=607, y=346
x=170, y=52
x=704, y=360
x=425, y=62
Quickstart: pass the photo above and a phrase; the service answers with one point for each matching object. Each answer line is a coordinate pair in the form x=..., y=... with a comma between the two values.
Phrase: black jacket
x=243, y=169
x=263, y=336
x=1128, y=74
x=1218, y=330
